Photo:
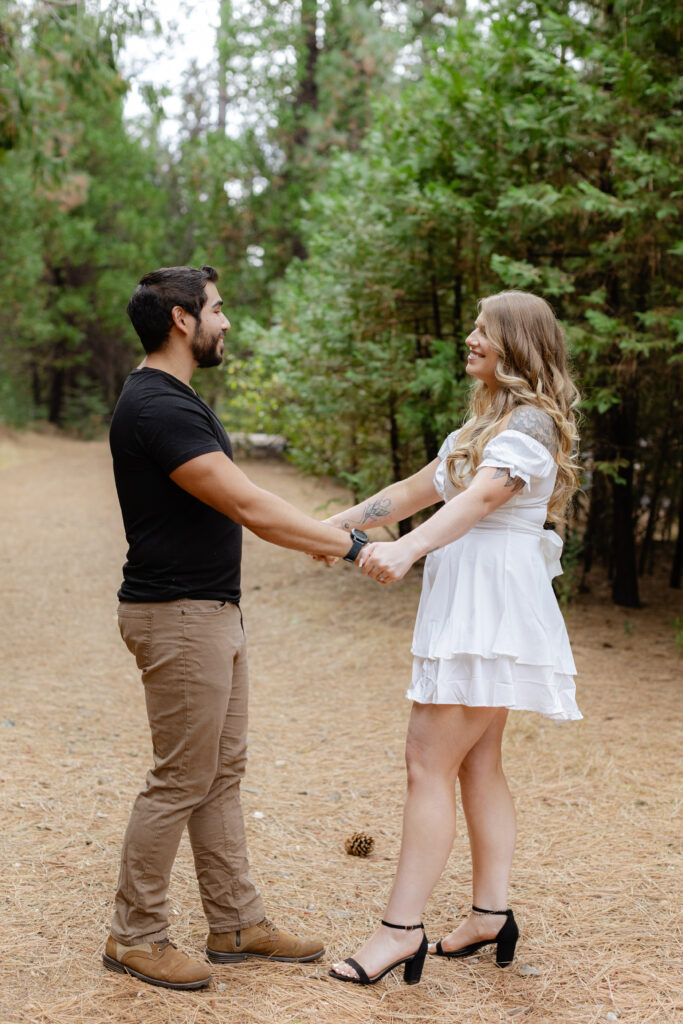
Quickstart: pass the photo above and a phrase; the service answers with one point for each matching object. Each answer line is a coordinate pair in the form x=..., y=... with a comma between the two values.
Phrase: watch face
x=359, y=535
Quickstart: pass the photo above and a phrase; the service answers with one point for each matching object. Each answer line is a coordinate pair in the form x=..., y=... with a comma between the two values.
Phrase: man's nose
x=226, y=323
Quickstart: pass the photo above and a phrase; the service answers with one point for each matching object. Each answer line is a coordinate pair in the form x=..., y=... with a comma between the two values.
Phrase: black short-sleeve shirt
x=178, y=546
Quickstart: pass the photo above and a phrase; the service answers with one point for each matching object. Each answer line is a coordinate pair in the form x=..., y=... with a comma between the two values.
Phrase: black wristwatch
x=359, y=540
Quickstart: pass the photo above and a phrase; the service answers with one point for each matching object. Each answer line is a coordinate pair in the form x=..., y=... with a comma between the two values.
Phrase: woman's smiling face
x=482, y=358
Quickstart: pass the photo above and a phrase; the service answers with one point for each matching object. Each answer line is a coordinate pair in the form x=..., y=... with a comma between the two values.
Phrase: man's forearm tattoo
x=515, y=482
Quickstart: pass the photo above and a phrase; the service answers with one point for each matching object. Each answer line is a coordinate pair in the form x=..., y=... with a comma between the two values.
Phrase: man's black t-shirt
x=178, y=546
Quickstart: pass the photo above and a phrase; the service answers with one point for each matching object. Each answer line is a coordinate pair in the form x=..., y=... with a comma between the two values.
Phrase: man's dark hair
x=157, y=293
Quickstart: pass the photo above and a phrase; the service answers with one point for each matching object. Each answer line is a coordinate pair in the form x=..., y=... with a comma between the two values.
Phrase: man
x=184, y=503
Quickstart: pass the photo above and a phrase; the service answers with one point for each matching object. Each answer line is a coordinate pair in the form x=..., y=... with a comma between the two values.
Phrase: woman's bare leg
x=440, y=737
x=490, y=815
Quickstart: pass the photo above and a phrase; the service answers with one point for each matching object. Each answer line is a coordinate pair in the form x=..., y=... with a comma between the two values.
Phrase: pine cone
x=359, y=844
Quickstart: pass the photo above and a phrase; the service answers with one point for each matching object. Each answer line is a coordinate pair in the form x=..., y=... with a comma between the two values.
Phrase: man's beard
x=205, y=347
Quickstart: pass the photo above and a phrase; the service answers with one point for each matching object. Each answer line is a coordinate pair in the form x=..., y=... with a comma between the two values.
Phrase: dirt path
x=597, y=876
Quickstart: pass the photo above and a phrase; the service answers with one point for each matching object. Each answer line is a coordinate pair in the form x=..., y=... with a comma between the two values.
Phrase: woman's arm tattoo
x=537, y=424
x=515, y=482
x=376, y=509
x=373, y=511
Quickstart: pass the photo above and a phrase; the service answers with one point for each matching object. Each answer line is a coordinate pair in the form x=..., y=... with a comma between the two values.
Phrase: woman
x=489, y=635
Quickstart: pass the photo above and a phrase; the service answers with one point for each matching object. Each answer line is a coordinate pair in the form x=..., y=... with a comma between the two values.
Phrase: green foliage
x=369, y=172
x=16, y=401
x=80, y=216
x=250, y=395
x=542, y=154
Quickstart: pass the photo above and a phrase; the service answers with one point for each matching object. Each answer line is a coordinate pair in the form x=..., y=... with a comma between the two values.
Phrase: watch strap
x=356, y=544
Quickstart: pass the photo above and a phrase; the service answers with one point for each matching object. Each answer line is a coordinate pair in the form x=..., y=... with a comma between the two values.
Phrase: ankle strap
x=403, y=927
x=478, y=910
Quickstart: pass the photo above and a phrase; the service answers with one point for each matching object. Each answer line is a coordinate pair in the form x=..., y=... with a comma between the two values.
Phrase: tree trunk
x=457, y=306
x=430, y=440
x=307, y=92
x=35, y=385
x=625, y=582
x=597, y=539
x=405, y=525
x=223, y=60
x=657, y=481
x=436, y=310
x=591, y=539
x=306, y=100
x=57, y=387
x=623, y=424
x=677, y=564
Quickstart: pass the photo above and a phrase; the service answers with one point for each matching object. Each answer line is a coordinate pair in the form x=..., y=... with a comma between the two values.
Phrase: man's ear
x=182, y=319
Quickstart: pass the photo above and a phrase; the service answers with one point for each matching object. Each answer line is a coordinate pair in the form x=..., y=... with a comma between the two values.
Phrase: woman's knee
x=481, y=767
x=426, y=764
x=485, y=758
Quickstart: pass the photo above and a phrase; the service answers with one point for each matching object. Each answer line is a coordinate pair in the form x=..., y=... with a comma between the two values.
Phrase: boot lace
x=164, y=943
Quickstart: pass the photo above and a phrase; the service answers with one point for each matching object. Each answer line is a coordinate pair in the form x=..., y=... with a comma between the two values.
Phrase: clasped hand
x=385, y=561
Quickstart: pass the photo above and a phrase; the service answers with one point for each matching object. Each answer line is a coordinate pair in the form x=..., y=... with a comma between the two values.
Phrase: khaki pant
x=193, y=659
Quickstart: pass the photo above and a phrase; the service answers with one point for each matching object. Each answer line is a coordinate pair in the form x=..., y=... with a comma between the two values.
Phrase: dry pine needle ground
x=596, y=884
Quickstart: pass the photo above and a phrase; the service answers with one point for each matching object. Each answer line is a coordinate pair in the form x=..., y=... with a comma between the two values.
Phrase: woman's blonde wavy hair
x=531, y=371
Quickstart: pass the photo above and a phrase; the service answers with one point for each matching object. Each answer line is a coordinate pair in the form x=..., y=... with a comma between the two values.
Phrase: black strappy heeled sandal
x=506, y=940
x=413, y=963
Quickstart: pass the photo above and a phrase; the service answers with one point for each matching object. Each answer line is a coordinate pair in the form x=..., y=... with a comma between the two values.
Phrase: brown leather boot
x=264, y=941
x=158, y=963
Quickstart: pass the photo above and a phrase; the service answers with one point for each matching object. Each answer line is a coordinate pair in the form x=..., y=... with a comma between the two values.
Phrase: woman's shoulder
x=535, y=423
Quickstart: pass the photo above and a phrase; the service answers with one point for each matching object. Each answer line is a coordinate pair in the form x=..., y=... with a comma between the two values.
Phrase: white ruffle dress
x=489, y=631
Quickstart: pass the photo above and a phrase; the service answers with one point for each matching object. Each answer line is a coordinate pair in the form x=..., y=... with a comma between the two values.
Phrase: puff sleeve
x=519, y=453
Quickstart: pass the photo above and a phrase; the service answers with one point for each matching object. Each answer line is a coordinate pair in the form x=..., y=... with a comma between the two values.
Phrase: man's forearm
x=275, y=520
x=215, y=480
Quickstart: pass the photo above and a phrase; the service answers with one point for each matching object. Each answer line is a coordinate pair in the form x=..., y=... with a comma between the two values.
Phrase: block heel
x=505, y=940
x=412, y=971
